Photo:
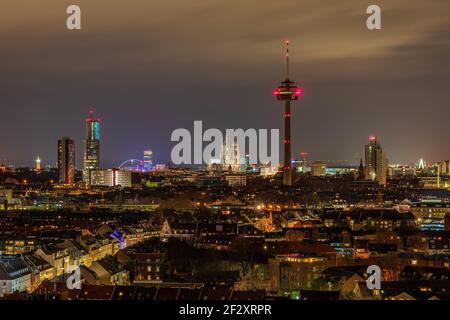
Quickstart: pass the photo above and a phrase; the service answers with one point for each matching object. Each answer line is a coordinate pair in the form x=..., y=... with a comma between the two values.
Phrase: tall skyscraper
x=287, y=91
x=66, y=161
x=38, y=165
x=148, y=161
x=376, y=162
x=91, y=146
x=304, y=155
x=361, y=173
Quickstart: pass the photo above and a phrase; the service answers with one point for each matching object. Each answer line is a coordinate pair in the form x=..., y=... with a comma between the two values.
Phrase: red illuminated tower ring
x=287, y=91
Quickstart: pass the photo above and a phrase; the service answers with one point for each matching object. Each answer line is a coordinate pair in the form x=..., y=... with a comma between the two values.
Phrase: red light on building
x=91, y=117
x=298, y=92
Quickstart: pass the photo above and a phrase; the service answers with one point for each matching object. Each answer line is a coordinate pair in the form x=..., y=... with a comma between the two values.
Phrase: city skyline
x=79, y=164
x=224, y=158
x=357, y=82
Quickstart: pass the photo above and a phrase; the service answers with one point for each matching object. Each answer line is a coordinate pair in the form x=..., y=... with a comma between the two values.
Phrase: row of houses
x=19, y=242
x=21, y=274
x=93, y=254
x=414, y=283
x=173, y=292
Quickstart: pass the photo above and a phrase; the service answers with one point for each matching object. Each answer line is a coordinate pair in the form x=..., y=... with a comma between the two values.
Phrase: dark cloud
x=148, y=68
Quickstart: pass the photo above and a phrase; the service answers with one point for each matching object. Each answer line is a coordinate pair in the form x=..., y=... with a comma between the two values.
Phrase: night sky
x=149, y=67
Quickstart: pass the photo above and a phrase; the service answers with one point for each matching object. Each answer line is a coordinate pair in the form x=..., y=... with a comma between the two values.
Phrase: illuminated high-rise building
x=361, y=173
x=66, y=161
x=318, y=169
x=91, y=146
x=111, y=178
x=304, y=155
x=287, y=91
x=376, y=162
x=148, y=160
x=38, y=165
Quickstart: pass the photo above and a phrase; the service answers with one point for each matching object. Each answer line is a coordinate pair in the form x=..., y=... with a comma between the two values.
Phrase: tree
x=243, y=251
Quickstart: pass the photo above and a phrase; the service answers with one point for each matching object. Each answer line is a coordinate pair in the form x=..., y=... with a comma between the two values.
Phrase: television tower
x=287, y=91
